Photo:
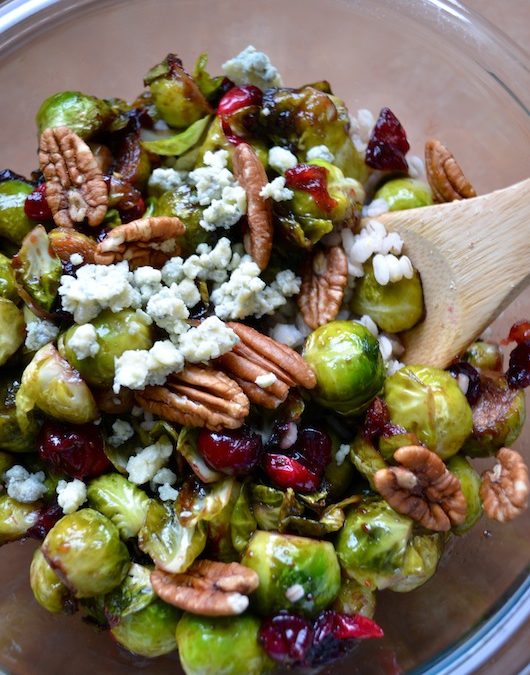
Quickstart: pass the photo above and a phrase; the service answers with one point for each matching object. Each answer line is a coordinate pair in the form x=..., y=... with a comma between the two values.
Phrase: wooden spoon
x=474, y=259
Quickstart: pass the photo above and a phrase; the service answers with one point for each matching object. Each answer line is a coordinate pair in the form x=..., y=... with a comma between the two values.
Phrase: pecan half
x=257, y=355
x=148, y=241
x=423, y=488
x=66, y=241
x=208, y=588
x=114, y=404
x=75, y=189
x=504, y=490
x=444, y=174
x=324, y=280
x=198, y=397
x=251, y=176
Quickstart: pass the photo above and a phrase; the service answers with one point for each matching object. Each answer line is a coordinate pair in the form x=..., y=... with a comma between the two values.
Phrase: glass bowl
x=446, y=73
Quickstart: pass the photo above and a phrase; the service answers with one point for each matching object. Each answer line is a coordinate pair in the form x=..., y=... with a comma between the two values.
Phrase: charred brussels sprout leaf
x=177, y=145
x=150, y=631
x=209, y=86
x=132, y=595
x=12, y=329
x=7, y=279
x=14, y=224
x=304, y=231
x=47, y=588
x=120, y=501
x=80, y=112
x=470, y=485
x=16, y=518
x=271, y=506
x=404, y=193
x=198, y=502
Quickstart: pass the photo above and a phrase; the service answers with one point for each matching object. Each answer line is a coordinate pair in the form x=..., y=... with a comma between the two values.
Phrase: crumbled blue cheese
x=167, y=493
x=71, y=495
x=209, y=264
x=276, y=190
x=98, y=287
x=163, y=481
x=84, y=341
x=142, y=467
x=287, y=334
x=138, y=368
x=147, y=280
x=252, y=67
x=342, y=453
x=168, y=310
x=320, y=152
x=266, y=380
x=281, y=159
x=188, y=292
x=162, y=180
x=121, y=432
x=225, y=212
x=39, y=332
x=207, y=341
x=76, y=259
x=23, y=486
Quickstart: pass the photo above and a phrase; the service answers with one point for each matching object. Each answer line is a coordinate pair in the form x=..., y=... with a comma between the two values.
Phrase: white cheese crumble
x=168, y=310
x=71, y=495
x=138, y=368
x=39, y=333
x=320, y=152
x=162, y=482
x=209, y=264
x=252, y=67
x=121, y=432
x=276, y=190
x=23, y=486
x=208, y=340
x=167, y=493
x=281, y=159
x=225, y=212
x=147, y=281
x=295, y=592
x=143, y=466
x=361, y=128
x=266, y=380
x=77, y=259
x=84, y=341
x=162, y=180
x=287, y=334
x=342, y=453
x=375, y=208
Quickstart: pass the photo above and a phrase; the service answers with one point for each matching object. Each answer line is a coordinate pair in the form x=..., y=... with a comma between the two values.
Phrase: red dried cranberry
x=36, y=205
x=239, y=97
x=518, y=373
x=286, y=638
x=76, y=450
x=314, y=180
x=48, y=516
x=519, y=332
x=466, y=369
x=288, y=472
x=132, y=211
x=235, y=452
x=284, y=436
x=314, y=447
x=388, y=144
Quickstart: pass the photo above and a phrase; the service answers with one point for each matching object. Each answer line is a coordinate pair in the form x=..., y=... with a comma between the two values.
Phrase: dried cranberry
x=519, y=332
x=48, y=516
x=518, y=373
x=288, y=472
x=314, y=447
x=473, y=388
x=377, y=422
x=132, y=211
x=284, y=435
x=36, y=205
x=388, y=144
x=235, y=452
x=286, y=638
x=239, y=97
x=76, y=450
x=314, y=180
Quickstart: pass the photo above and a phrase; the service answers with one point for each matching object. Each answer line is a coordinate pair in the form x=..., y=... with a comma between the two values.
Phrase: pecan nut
x=256, y=355
x=423, y=489
x=324, y=280
x=148, y=241
x=197, y=397
x=504, y=490
x=208, y=588
x=444, y=174
x=66, y=241
x=75, y=188
x=251, y=176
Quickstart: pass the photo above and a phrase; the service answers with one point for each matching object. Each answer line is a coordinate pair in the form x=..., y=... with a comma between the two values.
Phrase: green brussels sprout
x=371, y=546
x=120, y=501
x=12, y=329
x=389, y=444
x=484, y=355
x=132, y=595
x=283, y=561
x=395, y=307
x=220, y=544
x=404, y=193
x=498, y=416
x=16, y=518
x=221, y=646
x=330, y=520
x=85, y=550
x=429, y=403
x=209, y=86
x=354, y=598
x=243, y=524
x=150, y=631
x=470, y=485
x=171, y=546
x=6, y=462
x=270, y=506
x=116, y=333
x=12, y=437
x=304, y=231
x=14, y=224
x=80, y=112
x=366, y=458
x=47, y=588
x=198, y=502
x=340, y=472
x=7, y=279
x=38, y=270
x=51, y=384
x=420, y=562
x=177, y=98
x=178, y=144
x=348, y=366
x=175, y=203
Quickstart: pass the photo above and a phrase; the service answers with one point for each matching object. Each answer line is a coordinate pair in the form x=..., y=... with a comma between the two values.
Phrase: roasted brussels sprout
x=348, y=366
x=404, y=193
x=339, y=472
x=51, y=384
x=80, y=112
x=270, y=506
x=48, y=589
x=421, y=559
x=470, y=485
x=12, y=437
x=12, y=329
x=7, y=279
x=285, y=561
x=227, y=645
x=242, y=521
x=354, y=598
x=132, y=595
x=174, y=203
x=366, y=458
x=121, y=501
x=16, y=518
x=428, y=402
x=14, y=224
x=116, y=333
x=395, y=307
x=85, y=550
x=149, y=631
x=484, y=355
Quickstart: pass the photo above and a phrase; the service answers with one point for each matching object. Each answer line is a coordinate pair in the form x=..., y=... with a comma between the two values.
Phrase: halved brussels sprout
x=150, y=631
x=121, y=501
x=47, y=588
x=132, y=595
x=348, y=366
x=116, y=333
x=271, y=506
x=85, y=551
x=198, y=502
x=220, y=529
x=428, y=402
x=12, y=437
x=421, y=560
x=284, y=562
x=484, y=355
x=176, y=204
x=339, y=472
x=12, y=329
x=221, y=646
x=404, y=193
x=388, y=444
x=304, y=231
x=7, y=279
x=366, y=458
x=16, y=518
x=187, y=446
x=395, y=307
x=80, y=112
x=14, y=224
x=470, y=485
x=51, y=384
x=354, y=598
x=242, y=521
